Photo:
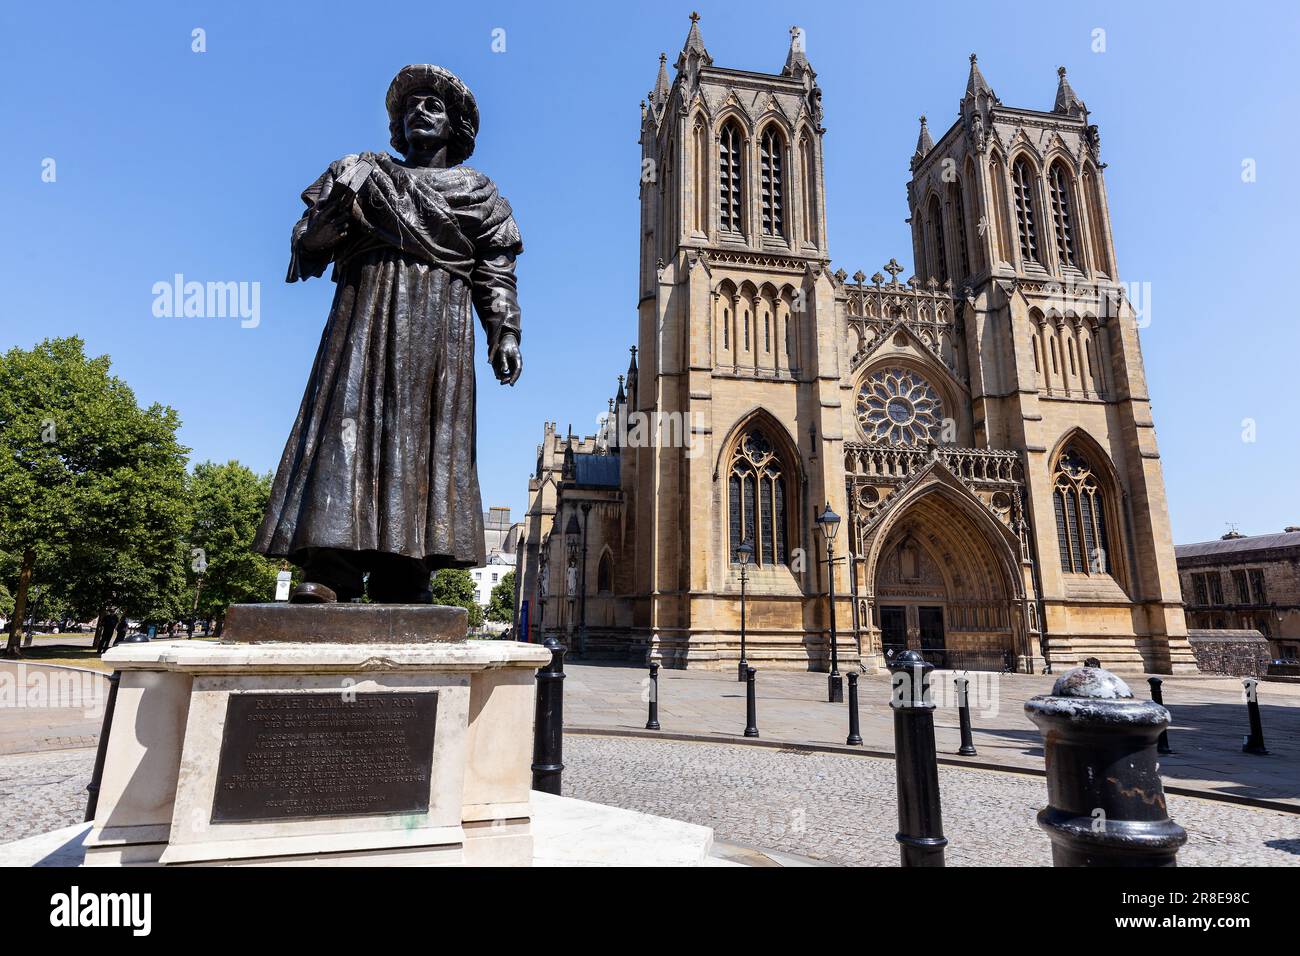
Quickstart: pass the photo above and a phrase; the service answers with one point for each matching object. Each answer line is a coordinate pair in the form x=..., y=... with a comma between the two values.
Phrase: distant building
x=500, y=542
x=1245, y=582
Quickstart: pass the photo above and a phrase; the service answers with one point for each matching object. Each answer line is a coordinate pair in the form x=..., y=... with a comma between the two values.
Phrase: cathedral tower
x=740, y=357
x=1009, y=207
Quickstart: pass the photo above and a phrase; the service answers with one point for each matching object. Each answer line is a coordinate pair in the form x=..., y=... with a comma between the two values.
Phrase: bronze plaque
x=324, y=754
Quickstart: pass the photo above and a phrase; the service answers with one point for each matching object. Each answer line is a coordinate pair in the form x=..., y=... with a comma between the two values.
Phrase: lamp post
x=829, y=522
x=582, y=583
x=571, y=534
x=743, y=554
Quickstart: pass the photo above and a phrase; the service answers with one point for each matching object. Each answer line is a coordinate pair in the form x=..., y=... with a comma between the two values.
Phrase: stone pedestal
x=379, y=736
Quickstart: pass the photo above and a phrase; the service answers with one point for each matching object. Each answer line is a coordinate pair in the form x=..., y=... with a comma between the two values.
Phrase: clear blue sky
x=173, y=161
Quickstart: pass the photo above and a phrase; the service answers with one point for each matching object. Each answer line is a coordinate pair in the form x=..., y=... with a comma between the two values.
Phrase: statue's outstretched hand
x=508, y=363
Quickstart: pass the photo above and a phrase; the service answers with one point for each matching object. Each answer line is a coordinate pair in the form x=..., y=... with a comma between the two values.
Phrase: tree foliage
x=92, y=487
x=501, y=603
x=227, y=503
x=454, y=587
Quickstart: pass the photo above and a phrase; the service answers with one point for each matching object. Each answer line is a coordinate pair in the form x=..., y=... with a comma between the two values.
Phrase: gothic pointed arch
x=999, y=180
x=726, y=301
x=959, y=244
x=757, y=415
x=807, y=183
x=701, y=155
x=762, y=486
x=732, y=151
x=767, y=326
x=1025, y=177
x=1087, y=506
x=1064, y=212
x=605, y=572
x=936, y=238
x=972, y=215
x=937, y=547
x=1094, y=203
x=773, y=178
x=747, y=302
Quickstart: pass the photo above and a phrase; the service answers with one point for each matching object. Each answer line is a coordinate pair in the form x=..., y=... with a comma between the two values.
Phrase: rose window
x=897, y=406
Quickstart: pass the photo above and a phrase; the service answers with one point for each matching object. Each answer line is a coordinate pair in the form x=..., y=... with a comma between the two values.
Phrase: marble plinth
x=445, y=726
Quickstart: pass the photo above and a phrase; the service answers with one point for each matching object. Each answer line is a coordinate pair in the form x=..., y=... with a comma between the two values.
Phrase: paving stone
x=843, y=809
x=43, y=791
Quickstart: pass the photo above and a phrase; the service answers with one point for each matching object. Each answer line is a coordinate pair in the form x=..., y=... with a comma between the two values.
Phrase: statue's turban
x=462, y=109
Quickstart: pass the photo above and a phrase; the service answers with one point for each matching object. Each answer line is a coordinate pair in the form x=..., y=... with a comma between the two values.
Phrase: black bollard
x=101, y=752
x=967, y=748
x=652, y=722
x=1254, y=744
x=1162, y=745
x=920, y=816
x=855, y=731
x=751, y=708
x=1106, y=804
x=548, y=725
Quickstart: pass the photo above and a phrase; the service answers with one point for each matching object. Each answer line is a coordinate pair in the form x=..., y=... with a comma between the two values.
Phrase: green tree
x=454, y=587
x=227, y=503
x=501, y=604
x=90, y=483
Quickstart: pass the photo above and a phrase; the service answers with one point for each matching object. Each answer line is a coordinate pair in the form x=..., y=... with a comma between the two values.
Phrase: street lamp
x=829, y=522
x=743, y=554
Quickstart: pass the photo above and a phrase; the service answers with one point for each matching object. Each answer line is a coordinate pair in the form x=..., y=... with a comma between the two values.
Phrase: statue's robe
x=381, y=457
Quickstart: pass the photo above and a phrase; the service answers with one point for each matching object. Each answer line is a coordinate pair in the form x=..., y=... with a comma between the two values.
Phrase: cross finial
x=663, y=57
x=1060, y=71
x=695, y=17
x=972, y=59
x=893, y=268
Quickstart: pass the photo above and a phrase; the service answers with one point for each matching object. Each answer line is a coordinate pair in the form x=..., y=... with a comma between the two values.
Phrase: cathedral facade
x=981, y=427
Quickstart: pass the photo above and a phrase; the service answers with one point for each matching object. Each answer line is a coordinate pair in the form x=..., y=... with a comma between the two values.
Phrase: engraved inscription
x=333, y=754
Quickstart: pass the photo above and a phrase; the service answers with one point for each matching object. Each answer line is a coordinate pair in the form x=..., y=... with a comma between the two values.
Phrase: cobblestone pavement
x=1208, y=718
x=843, y=809
x=834, y=808
x=43, y=791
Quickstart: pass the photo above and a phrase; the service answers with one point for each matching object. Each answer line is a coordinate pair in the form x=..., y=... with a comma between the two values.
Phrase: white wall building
x=500, y=540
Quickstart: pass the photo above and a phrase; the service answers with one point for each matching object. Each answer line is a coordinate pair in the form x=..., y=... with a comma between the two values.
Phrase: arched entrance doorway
x=942, y=578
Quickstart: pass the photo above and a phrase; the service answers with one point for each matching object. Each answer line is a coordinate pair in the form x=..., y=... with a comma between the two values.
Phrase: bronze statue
x=379, y=474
